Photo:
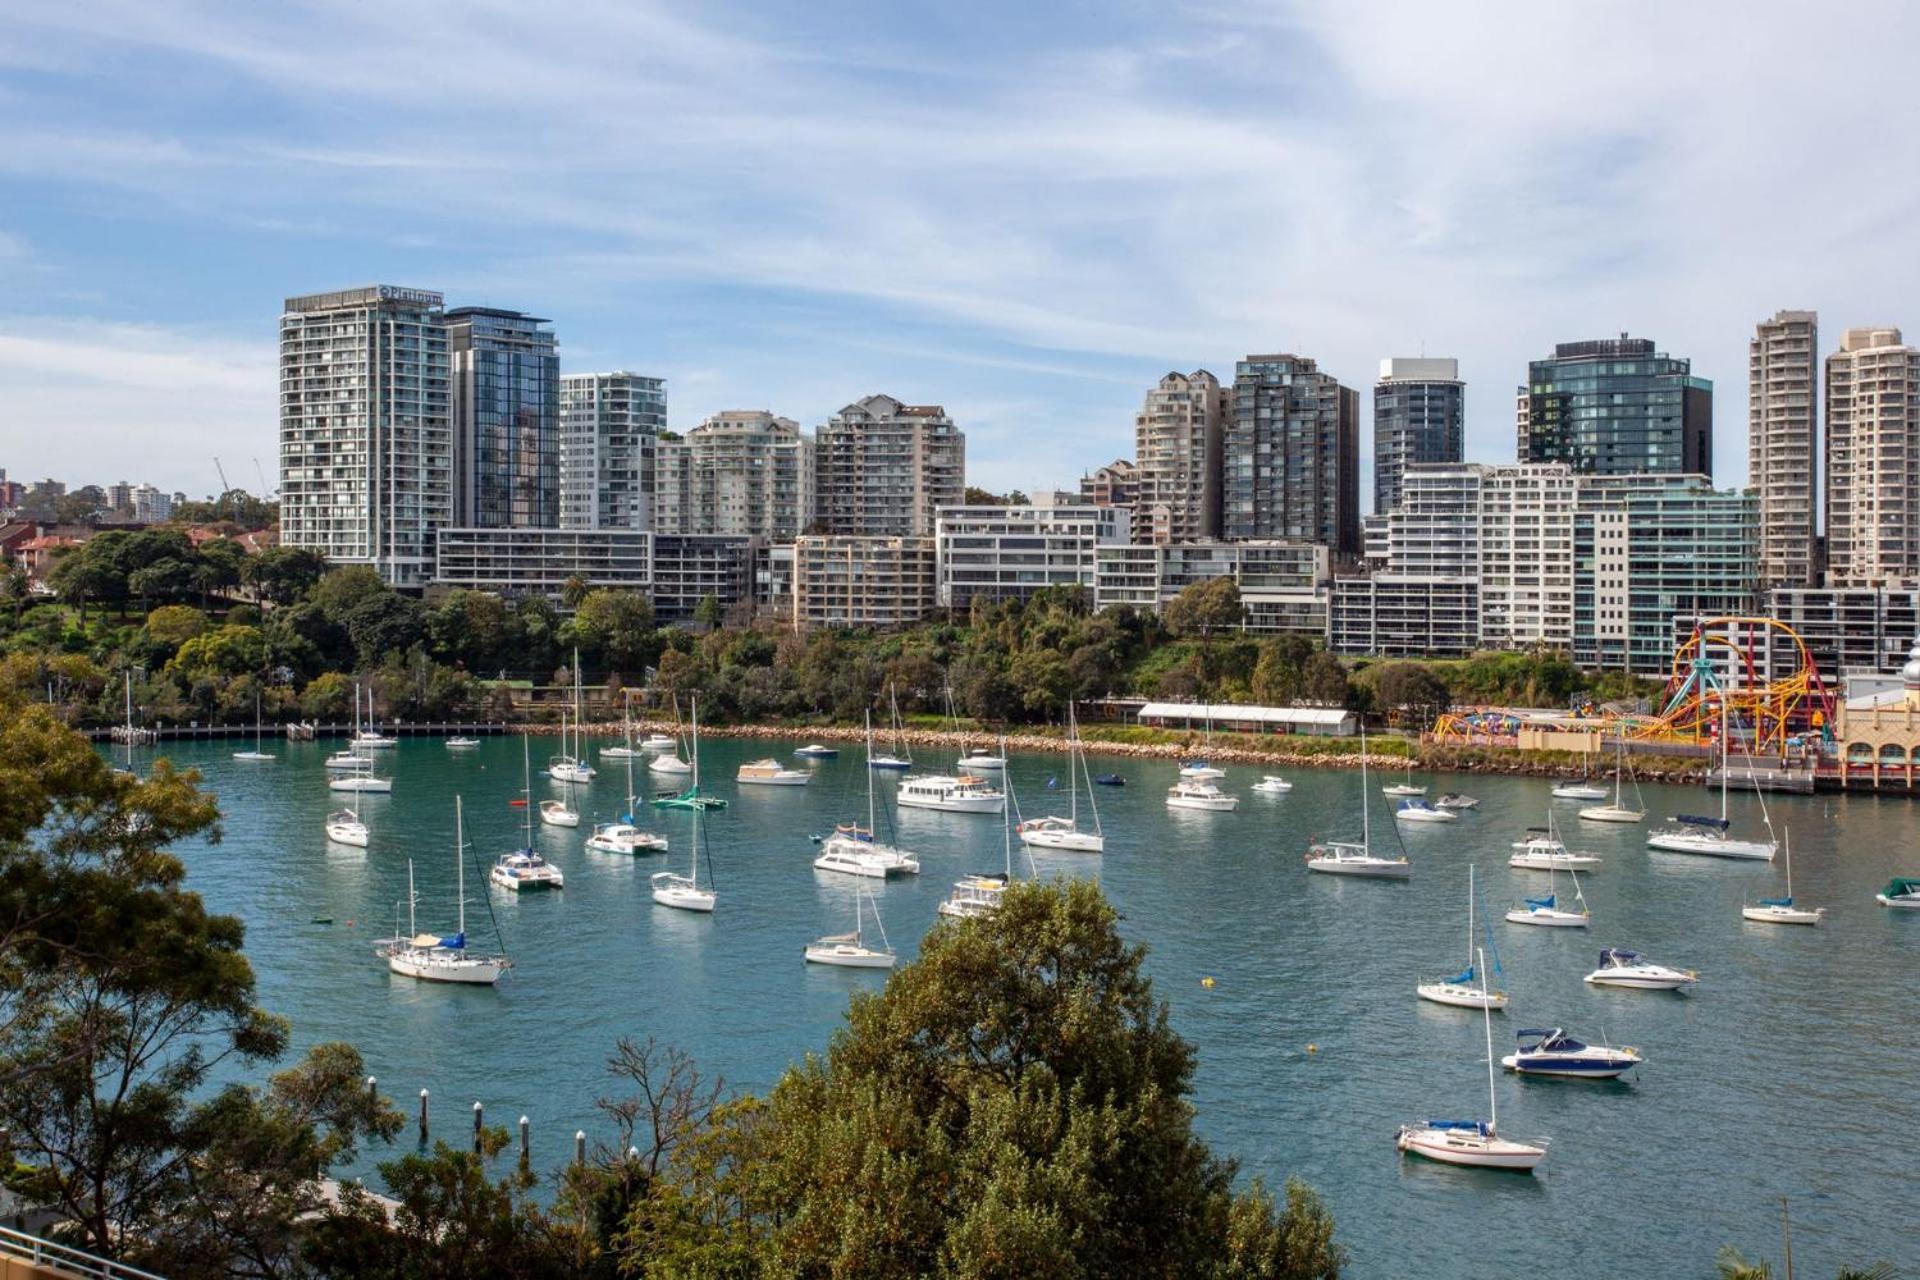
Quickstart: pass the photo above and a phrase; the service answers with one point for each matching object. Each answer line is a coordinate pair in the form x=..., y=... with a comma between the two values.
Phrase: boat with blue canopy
x=1783, y=910
x=1466, y=989
x=1473, y=1143
x=1552, y=1052
x=1548, y=912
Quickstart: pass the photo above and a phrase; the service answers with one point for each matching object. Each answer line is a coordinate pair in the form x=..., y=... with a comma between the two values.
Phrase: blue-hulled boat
x=1109, y=780
x=1554, y=1053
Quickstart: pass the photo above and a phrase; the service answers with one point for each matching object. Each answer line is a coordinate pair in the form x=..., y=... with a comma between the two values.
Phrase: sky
x=1025, y=212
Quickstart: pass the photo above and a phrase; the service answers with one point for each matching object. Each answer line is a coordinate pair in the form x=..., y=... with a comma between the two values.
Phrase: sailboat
x=1542, y=850
x=901, y=758
x=683, y=893
x=523, y=868
x=975, y=758
x=1783, y=910
x=691, y=797
x=350, y=760
x=979, y=894
x=1708, y=836
x=1474, y=1143
x=256, y=753
x=623, y=836
x=1548, y=912
x=628, y=751
x=345, y=827
x=431, y=957
x=850, y=950
x=1065, y=833
x=852, y=849
x=1468, y=989
x=1404, y=788
x=362, y=779
x=1582, y=789
x=561, y=813
x=568, y=766
x=667, y=759
x=1618, y=810
x=1203, y=768
x=1344, y=858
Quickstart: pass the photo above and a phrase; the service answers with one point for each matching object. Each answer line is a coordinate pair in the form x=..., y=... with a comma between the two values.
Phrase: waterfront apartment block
x=687, y=568
x=506, y=419
x=744, y=471
x=995, y=553
x=1290, y=458
x=1176, y=440
x=1873, y=460
x=1283, y=584
x=1403, y=615
x=609, y=425
x=1782, y=459
x=1616, y=407
x=1115, y=485
x=1526, y=556
x=518, y=562
x=884, y=469
x=1419, y=417
x=1846, y=630
x=366, y=450
x=841, y=581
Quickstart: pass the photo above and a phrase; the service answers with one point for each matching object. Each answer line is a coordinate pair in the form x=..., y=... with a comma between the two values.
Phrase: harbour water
x=1793, y=1070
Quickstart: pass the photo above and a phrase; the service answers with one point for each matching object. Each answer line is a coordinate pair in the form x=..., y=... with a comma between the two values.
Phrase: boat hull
x=1369, y=870
x=1639, y=982
x=1070, y=841
x=1710, y=846
x=1399, y=790
x=848, y=957
x=967, y=764
x=370, y=786
x=620, y=753
x=1207, y=804
x=1579, y=793
x=1900, y=903
x=1607, y=813
x=1781, y=915
x=954, y=804
x=1424, y=815
x=1549, y=919
x=685, y=899
x=253, y=755
x=1568, y=1066
x=466, y=972
x=1461, y=997
x=1474, y=1152
x=669, y=764
x=799, y=780
x=570, y=773
x=1554, y=862
x=348, y=836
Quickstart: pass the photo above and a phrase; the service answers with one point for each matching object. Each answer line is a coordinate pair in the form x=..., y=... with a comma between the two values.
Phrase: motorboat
x=669, y=765
x=684, y=893
x=850, y=950
x=1902, y=893
x=1542, y=850
x=1708, y=837
x=523, y=870
x=1109, y=780
x=345, y=827
x=1455, y=802
x=255, y=755
x=1578, y=791
x=1619, y=810
x=1466, y=989
x=981, y=758
x=1201, y=771
x=1622, y=968
x=658, y=742
x=1190, y=793
x=771, y=773
x=974, y=895
x=889, y=764
x=458, y=743
x=1553, y=1052
x=1783, y=910
x=557, y=813
x=1273, y=785
x=968, y=793
x=624, y=837
x=1056, y=832
x=691, y=798
x=365, y=782
x=1473, y=1143
x=1415, y=809
x=1345, y=858
x=434, y=957
x=852, y=851
x=817, y=751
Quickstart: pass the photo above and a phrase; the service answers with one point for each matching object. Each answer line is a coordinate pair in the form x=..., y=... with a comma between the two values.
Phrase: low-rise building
x=996, y=553
x=1845, y=629
x=687, y=568
x=853, y=581
x=1399, y=615
x=515, y=562
x=1283, y=584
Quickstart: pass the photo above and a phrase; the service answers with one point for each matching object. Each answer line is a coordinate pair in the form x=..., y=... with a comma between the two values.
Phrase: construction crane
x=225, y=488
x=266, y=490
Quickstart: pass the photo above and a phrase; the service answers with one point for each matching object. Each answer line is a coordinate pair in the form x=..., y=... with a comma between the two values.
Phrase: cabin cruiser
x=1189, y=793
x=1902, y=892
x=1454, y=801
x=1542, y=851
x=975, y=895
x=968, y=793
x=1555, y=1053
x=1273, y=785
x=624, y=837
x=816, y=751
x=1201, y=771
x=851, y=850
x=771, y=773
x=1622, y=968
x=523, y=869
x=981, y=758
x=1415, y=809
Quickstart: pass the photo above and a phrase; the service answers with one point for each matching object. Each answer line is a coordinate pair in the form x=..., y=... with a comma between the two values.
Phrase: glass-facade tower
x=1616, y=407
x=1419, y=418
x=506, y=419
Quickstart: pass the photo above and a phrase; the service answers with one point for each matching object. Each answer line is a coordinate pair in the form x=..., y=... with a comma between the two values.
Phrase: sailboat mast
x=526, y=787
x=870, y=826
x=1486, y=1014
x=1073, y=783
x=459, y=862
x=1006, y=814
x=412, y=928
x=1725, y=761
x=1366, y=830
x=1469, y=913
x=696, y=744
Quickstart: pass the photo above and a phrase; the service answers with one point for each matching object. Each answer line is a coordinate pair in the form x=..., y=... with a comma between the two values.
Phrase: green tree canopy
x=1206, y=608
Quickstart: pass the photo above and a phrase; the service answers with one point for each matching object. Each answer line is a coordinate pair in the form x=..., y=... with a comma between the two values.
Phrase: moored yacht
x=1345, y=858
x=1056, y=832
x=1415, y=809
x=1273, y=785
x=624, y=837
x=1622, y=968
x=1454, y=801
x=850, y=950
x=1552, y=1052
x=1542, y=850
x=523, y=869
x=771, y=773
x=1783, y=910
x=1474, y=1143
x=852, y=850
x=966, y=794
x=443, y=958
x=345, y=827
x=816, y=751
x=1189, y=793
x=1901, y=893
x=980, y=758
x=1468, y=989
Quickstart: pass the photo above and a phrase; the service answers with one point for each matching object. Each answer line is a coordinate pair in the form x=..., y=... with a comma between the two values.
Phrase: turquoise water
x=1793, y=1070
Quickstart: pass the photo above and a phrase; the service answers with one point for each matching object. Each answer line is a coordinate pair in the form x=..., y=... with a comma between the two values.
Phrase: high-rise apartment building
x=609, y=426
x=1873, y=459
x=883, y=469
x=505, y=369
x=1616, y=407
x=1115, y=485
x=1419, y=417
x=1177, y=436
x=1782, y=463
x=1290, y=457
x=744, y=471
x=366, y=450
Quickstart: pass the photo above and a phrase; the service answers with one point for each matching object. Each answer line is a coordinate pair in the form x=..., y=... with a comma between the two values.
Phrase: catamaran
x=524, y=869
x=1555, y=1053
x=1708, y=836
x=1344, y=858
x=1618, y=810
x=1548, y=913
x=1055, y=832
x=852, y=849
x=1783, y=910
x=683, y=893
x=569, y=766
x=1472, y=1142
x=1468, y=989
x=850, y=950
x=980, y=894
x=256, y=753
x=901, y=759
x=691, y=797
x=432, y=957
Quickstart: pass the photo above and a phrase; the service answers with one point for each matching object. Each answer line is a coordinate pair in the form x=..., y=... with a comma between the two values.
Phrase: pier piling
x=479, y=1123
x=580, y=1147
x=423, y=1117
x=526, y=1148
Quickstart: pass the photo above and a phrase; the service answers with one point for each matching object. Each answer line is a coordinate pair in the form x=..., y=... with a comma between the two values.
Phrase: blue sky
x=1025, y=212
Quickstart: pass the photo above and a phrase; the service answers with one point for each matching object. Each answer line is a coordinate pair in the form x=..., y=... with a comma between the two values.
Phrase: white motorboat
x=1273, y=785
x=850, y=950
x=1467, y=989
x=345, y=827
x=1555, y=1053
x=1455, y=802
x=1345, y=858
x=1578, y=791
x=1708, y=837
x=1471, y=1142
x=659, y=742
x=557, y=813
x=1415, y=809
x=1783, y=910
x=459, y=743
x=1055, y=832
x=365, y=782
x=524, y=870
x=1619, y=810
x=980, y=758
x=1201, y=771
x=817, y=751
x=624, y=837
x=771, y=773
x=1902, y=894
x=889, y=763
x=436, y=958
x=1189, y=793
x=1622, y=968
x=256, y=754
x=967, y=794
x=669, y=765
x=1543, y=851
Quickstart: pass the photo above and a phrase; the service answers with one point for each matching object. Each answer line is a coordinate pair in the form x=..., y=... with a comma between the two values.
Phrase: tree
x=220, y=567
x=1325, y=681
x=708, y=612
x=1206, y=608
x=284, y=574
x=223, y=651
x=616, y=626
x=1414, y=690
x=173, y=625
x=382, y=624
x=345, y=587
x=574, y=590
x=328, y=698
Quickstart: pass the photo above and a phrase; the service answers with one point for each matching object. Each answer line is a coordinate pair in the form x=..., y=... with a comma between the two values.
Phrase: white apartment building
x=513, y=562
x=1283, y=584
x=1873, y=460
x=996, y=553
x=744, y=471
x=1526, y=555
x=883, y=468
x=1782, y=452
x=366, y=447
x=1398, y=615
x=1177, y=437
x=609, y=426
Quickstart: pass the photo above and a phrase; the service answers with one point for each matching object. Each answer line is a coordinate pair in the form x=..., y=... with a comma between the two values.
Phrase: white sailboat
x=626, y=751
x=1548, y=913
x=1469, y=989
x=683, y=893
x=523, y=869
x=850, y=950
x=349, y=759
x=433, y=958
x=345, y=827
x=1400, y=789
x=853, y=850
x=1344, y=858
x=362, y=779
x=979, y=894
x=569, y=766
x=1472, y=1142
x=623, y=836
x=1618, y=811
x=1064, y=833
x=256, y=753
x=901, y=758
x=561, y=813
x=1708, y=837
x=1783, y=910
x=668, y=760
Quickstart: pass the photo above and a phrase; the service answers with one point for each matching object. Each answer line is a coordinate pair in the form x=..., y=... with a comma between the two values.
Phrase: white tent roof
x=1196, y=711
